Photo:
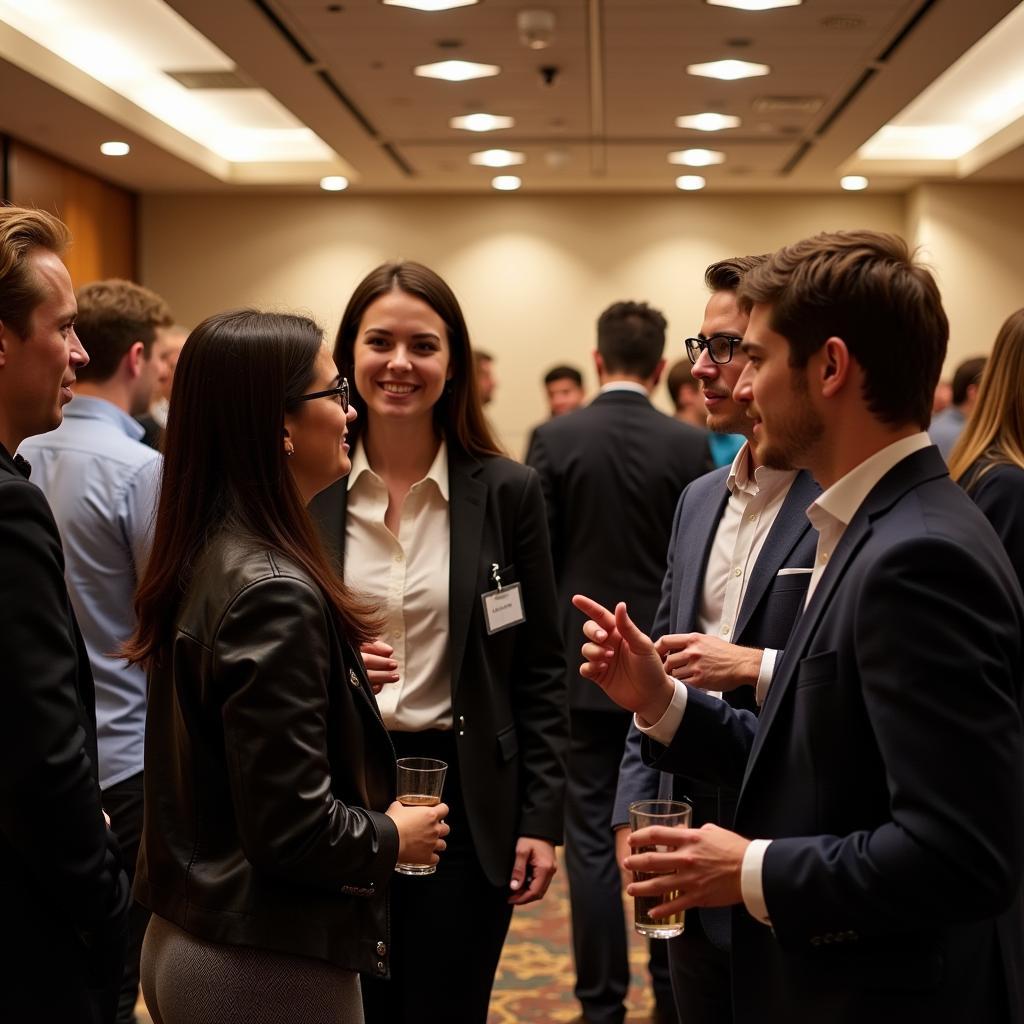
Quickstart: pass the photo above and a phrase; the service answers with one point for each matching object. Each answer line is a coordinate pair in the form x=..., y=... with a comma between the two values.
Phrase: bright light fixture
x=690, y=182
x=481, y=122
x=754, y=5
x=696, y=157
x=429, y=5
x=708, y=122
x=728, y=70
x=506, y=182
x=497, y=158
x=853, y=182
x=334, y=183
x=115, y=148
x=456, y=70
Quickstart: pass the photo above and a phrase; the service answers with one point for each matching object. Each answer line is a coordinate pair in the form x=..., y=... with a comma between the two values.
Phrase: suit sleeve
x=538, y=458
x=271, y=666
x=944, y=709
x=1000, y=496
x=539, y=696
x=50, y=809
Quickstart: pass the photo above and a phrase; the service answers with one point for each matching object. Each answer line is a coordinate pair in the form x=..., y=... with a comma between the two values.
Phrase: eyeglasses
x=720, y=347
x=340, y=393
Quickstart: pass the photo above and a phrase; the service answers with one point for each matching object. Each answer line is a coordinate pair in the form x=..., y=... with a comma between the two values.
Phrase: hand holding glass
x=643, y=814
x=420, y=781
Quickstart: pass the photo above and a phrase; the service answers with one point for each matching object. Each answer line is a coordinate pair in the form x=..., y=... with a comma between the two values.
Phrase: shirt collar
x=847, y=494
x=87, y=407
x=764, y=478
x=625, y=385
x=15, y=462
x=438, y=472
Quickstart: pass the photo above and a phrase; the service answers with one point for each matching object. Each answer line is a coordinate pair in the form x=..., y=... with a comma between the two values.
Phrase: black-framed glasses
x=720, y=347
x=340, y=393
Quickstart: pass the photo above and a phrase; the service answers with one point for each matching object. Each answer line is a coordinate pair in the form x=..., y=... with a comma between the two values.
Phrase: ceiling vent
x=211, y=79
x=788, y=104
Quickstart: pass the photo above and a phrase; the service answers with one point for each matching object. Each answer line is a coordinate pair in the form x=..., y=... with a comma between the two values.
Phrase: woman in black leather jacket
x=271, y=830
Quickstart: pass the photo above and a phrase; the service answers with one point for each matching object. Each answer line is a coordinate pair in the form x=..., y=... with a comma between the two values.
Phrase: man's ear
x=656, y=375
x=135, y=359
x=834, y=370
x=598, y=364
x=5, y=342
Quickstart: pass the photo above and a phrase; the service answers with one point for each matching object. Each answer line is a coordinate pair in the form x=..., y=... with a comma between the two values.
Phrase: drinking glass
x=420, y=781
x=643, y=814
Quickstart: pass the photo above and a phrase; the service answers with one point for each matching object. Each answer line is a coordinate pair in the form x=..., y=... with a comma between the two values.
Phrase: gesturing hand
x=709, y=662
x=622, y=660
x=381, y=667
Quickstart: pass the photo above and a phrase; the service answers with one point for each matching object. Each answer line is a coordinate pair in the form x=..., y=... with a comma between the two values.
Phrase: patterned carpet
x=535, y=976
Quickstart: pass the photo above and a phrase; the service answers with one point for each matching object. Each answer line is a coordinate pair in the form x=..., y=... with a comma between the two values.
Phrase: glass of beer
x=420, y=781
x=643, y=814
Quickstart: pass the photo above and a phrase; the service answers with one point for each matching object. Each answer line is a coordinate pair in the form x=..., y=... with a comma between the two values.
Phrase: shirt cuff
x=751, y=885
x=664, y=729
x=764, y=674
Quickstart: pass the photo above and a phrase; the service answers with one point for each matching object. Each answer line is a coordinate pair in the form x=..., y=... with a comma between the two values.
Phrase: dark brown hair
x=458, y=414
x=865, y=288
x=631, y=338
x=967, y=373
x=725, y=275
x=680, y=375
x=225, y=467
x=22, y=231
x=112, y=316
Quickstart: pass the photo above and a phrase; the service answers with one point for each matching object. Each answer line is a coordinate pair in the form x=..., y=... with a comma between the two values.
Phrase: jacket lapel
x=788, y=529
x=329, y=509
x=468, y=505
x=695, y=550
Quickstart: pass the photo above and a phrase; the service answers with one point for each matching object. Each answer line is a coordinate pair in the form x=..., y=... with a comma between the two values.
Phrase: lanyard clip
x=494, y=574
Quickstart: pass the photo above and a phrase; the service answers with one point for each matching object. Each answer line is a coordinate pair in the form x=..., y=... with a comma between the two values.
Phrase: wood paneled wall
x=102, y=217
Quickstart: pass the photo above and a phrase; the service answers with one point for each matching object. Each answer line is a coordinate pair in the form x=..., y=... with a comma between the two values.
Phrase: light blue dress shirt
x=102, y=484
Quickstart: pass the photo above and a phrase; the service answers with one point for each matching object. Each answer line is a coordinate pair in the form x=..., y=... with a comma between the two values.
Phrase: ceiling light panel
x=456, y=70
x=708, y=122
x=497, y=158
x=690, y=182
x=754, y=5
x=481, y=122
x=729, y=70
x=115, y=148
x=130, y=47
x=506, y=182
x=697, y=157
x=429, y=5
x=853, y=182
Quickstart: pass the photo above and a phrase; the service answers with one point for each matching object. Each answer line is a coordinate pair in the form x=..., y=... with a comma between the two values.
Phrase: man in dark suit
x=738, y=567
x=63, y=892
x=874, y=873
x=609, y=524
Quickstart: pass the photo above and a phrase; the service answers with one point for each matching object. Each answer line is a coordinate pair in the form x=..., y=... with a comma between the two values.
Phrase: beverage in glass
x=420, y=781
x=643, y=814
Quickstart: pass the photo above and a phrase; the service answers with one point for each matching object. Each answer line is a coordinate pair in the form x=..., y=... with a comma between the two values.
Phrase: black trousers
x=701, y=977
x=123, y=802
x=447, y=929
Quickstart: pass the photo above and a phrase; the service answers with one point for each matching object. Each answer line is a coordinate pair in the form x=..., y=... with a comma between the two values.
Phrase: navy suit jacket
x=611, y=473
x=887, y=768
x=770, y=605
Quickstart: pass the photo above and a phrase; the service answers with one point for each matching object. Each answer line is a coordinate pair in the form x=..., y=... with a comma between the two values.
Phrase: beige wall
x=532, y=273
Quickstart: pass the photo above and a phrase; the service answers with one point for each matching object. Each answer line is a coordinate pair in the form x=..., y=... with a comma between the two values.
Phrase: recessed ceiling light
x=481, y=122
x=334, y=183
x=708, y=122
x=115, y=148
x=854, y=182
x=456, y=70
x=690, y=182
x=506, y=182
x=497, y=158
x=429, y=5
x=728, y=70
x=754, y=5
x=696, y=157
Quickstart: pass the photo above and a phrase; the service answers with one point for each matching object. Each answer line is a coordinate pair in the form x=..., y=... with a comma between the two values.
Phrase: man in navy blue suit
x=875, y=869
x=738, y=567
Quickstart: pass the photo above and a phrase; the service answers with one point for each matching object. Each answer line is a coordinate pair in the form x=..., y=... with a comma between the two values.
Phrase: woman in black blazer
x=271, y=830
x=988, y=458
x=433, y=519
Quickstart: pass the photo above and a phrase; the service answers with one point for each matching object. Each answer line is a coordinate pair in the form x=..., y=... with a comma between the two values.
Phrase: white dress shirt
x=407, y=577
x=830, y=515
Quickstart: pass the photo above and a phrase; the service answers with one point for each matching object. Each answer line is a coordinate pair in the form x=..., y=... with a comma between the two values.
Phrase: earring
x=289, y=449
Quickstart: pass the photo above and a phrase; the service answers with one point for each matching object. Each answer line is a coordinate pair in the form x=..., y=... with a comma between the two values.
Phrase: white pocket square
x=793, y=572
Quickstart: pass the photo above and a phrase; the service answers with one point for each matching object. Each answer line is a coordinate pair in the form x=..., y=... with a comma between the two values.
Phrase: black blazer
x=999, y=493
x=612, y=473
x=268, y=770
x=508, y=689
x=63, y=894
x=887, y=767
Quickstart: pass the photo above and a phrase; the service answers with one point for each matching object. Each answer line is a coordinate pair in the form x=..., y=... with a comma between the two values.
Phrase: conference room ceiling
x=594, y=111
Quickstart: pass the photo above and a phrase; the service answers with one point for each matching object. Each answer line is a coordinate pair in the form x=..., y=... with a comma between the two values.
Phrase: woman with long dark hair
x=271, y=830
x=449, y=538
x=988, y=458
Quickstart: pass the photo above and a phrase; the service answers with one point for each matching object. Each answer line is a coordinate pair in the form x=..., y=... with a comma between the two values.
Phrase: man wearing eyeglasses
x=739, y=563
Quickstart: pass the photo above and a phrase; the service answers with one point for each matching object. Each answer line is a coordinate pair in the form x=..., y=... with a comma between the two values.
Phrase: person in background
x=943, y=397
x=102, y=482
x=685, y=392
x=64, y=894
x=564, y=388
x=448, y=538
x=166, y=349
x=946, y=426
x=486, y=382
x=988, y=458
x=272, y=830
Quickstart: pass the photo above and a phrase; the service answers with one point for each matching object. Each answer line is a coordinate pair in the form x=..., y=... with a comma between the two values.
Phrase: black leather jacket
x=267, y=769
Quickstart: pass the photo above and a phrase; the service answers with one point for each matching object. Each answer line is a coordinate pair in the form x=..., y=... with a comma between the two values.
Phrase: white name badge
x=503, y=608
